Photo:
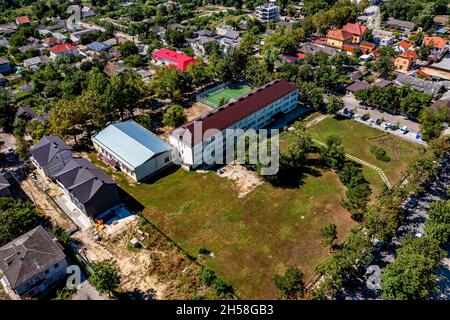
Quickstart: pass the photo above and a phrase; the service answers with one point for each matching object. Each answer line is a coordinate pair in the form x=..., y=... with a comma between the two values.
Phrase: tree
x=431, y=121
x=106, y=276
x=16, y=218
x=128, y=48
x=291, y=284
x=334, y=104
x=23, y=146
x=124, y=92
x=412, y=275
x=6, y=112
x=97, y=82
x=328, y=234
x=437, y=226
x=333, y=153
x=174, y=116
x=175, y=37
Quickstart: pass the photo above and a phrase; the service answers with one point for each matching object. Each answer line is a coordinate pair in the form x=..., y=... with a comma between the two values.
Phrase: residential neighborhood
x=225, y=150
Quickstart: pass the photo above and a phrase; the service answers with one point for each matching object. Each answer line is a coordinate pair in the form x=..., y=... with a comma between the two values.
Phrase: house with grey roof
x=89, y=188
x=428, y=87
x=98, y=47
x=33, y=63
x=357, y=86
x=402, y=25
x=50, y=155
x=312, y=48
x=32, y=263
x=132, y=149
x=4, y=186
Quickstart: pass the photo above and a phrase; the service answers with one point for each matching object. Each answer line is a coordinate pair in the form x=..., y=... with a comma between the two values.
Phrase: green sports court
x=229, y=92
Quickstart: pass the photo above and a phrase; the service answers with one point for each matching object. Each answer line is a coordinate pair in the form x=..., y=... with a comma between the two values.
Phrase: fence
x=202, y=95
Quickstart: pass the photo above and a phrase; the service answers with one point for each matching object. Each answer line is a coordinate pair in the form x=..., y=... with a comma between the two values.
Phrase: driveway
x=80, y=219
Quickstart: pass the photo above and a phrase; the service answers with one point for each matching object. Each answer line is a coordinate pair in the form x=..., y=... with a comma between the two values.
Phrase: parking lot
x=387, y=120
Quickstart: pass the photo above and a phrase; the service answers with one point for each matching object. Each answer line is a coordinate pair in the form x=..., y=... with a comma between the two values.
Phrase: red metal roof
x=227, y=115
x=180, y=59
x=62, y=48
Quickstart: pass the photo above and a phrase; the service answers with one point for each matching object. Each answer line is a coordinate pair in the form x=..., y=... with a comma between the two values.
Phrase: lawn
x=358, y=138
x=252, y=238
x=228, y=93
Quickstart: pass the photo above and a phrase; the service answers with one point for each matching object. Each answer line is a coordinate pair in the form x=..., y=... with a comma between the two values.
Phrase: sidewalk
x=80, y=219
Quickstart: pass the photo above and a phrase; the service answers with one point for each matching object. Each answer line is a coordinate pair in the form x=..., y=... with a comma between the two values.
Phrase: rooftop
x=131, y=142
x=44, y=151
x=28, y=255
x=83, y=179
x=234, y=111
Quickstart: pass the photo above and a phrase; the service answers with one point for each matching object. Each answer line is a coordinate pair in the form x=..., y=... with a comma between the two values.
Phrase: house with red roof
x=435, y=42
x=257, y=109
x=356, y=30
x=404, y=61
x=23, y=21
x=169, y=57
x=338, y=37
x=62, y=50
x=402, y=46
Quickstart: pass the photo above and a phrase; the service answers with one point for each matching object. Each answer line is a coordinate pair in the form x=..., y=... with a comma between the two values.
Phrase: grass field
x=228, y=93
x=357, y=139
x=252, y=238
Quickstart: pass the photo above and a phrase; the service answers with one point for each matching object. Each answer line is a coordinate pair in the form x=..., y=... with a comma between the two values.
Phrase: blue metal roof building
x=133, y=149
x=98, y=46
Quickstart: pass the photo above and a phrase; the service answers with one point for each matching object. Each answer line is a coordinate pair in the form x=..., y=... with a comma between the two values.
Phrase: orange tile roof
x=22, y=20
x=435, y=42
x=355, y=28
x=338, y=34
x=410, y=55
x=404, y=44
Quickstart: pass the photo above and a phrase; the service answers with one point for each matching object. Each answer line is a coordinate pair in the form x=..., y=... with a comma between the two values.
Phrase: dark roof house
x=357, y=86
x=32, y=262
x=4, y=186
x=89, y=188
x=50, y=154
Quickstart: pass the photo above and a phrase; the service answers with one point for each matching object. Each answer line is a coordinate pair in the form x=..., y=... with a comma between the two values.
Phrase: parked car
x=404, y=130
x=378, y=122
x=365, y=117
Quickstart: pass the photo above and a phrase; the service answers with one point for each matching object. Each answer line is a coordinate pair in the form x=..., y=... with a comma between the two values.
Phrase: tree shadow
x=137, y=295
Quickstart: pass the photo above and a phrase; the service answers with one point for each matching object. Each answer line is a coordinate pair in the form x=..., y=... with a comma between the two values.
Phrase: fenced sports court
x=224, y=92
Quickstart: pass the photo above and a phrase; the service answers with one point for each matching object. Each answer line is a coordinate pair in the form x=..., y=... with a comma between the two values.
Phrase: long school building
x=196, y=140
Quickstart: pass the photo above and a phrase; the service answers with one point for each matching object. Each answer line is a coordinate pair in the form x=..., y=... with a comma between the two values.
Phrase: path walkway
x=364, y=163
x=351, y=157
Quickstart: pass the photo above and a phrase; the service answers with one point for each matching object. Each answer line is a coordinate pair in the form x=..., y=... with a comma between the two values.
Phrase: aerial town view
x=225, y=150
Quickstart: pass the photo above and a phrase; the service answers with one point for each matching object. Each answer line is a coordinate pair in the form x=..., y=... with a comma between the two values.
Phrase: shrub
x=380, y=153
x=222, y=288
x=208, y=276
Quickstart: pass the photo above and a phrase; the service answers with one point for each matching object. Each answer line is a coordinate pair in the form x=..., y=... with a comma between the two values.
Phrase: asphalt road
x=413, y=224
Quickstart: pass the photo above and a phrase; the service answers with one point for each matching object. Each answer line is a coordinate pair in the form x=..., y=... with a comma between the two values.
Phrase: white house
x=63, y=50
x=32, y=263
x=195, y=142
x=132, y=149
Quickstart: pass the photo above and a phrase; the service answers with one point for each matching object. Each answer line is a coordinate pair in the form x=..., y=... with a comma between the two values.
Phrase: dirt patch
x=159, y=267
x=197, y=110
x=43, y=203
x=244, y=179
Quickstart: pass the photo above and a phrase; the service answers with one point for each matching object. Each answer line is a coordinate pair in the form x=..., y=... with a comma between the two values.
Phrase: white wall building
x=268, y=11
x=133, y=149
x=255, y=110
